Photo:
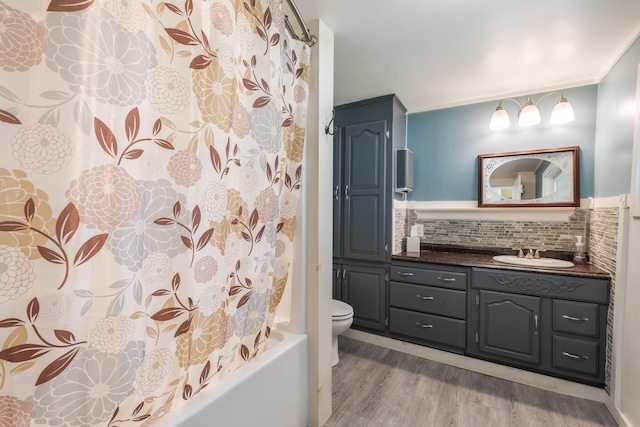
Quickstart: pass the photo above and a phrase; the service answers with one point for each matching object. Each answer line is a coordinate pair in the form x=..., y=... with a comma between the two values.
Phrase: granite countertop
x=465, y=259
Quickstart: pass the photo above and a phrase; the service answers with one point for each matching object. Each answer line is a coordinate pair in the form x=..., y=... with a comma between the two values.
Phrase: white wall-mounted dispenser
x=404, y=170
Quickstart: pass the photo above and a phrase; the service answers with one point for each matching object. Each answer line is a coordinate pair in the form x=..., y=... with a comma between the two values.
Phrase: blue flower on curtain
x=89, y=390
x=265, y=127
x=98, y=57
x=134, y=241
x=250, y=317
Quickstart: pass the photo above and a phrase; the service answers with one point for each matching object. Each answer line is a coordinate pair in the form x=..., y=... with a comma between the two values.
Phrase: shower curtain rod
x=306, y=37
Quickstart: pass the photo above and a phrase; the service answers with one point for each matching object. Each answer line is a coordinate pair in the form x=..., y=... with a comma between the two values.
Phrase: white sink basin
x=533, y=262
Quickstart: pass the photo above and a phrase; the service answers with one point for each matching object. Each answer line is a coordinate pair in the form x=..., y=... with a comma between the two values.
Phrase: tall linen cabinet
x=366, y=137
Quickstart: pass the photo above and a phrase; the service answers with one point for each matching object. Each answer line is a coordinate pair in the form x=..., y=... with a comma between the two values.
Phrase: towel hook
x=328, y=129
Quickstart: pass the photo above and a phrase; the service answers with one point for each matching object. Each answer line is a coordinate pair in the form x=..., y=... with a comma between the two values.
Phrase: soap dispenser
x=579, y=256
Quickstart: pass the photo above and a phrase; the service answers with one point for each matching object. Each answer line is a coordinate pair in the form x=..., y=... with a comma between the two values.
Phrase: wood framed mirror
x=535, y=178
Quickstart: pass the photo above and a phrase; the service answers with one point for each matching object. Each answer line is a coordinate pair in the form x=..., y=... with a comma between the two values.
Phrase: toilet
x=341, y=318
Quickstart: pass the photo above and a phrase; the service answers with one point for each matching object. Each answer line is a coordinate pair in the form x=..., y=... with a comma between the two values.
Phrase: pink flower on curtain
x=42, y=148
x=97, y=57
x=21, y=38
x=221, y=18
x=185, y=168
x=106, y=196
x=205, y=268
x=267, y=204
x=15, y=412
x=16, y=273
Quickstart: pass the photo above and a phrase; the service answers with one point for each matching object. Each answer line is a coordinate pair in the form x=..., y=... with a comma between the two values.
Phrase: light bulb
x=500, y=119
x=529, y=115
x=562, y=112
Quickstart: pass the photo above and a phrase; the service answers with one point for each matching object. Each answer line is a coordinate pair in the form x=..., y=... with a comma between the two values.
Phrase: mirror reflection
x=532, y=178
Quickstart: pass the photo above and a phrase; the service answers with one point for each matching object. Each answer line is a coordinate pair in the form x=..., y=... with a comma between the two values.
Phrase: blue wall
x=447, y=142
x=615, y=124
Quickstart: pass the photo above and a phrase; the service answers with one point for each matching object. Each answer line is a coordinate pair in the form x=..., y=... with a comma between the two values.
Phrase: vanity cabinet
x=548, y=323
x=363, y=287
x=367, y=132
x=427, y=304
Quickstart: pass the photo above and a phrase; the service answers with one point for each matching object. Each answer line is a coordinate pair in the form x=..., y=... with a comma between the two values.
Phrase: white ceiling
x=441, y=53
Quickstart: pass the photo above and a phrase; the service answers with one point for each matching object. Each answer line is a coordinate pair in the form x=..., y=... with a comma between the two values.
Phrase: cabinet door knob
x=424, y=298
x=574, y=356
x=346, y=192
x=535, y=324
x=447, y=279
x=423, y=325
x=575, y=319
x=336, y=193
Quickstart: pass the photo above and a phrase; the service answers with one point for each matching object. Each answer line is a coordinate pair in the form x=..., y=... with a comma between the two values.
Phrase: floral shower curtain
x=149, y=186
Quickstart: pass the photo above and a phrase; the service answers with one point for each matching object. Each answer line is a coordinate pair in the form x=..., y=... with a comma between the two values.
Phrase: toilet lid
x=340, y=309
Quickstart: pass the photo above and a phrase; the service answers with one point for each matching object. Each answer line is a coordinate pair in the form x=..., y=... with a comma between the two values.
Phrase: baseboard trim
x=520, y=376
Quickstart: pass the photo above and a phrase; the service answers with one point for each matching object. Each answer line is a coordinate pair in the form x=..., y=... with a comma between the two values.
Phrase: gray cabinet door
x=364, y=222
x=509, y=326
x=363, y=287
x=338, y=194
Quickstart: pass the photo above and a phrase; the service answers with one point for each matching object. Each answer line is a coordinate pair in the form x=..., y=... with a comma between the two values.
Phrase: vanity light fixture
x=529, y=115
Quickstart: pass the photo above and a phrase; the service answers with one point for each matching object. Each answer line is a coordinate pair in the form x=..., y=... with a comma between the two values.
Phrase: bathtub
x=269, y=391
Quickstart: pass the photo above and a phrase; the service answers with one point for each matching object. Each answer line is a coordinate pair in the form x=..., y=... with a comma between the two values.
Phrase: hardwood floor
x=377, y=387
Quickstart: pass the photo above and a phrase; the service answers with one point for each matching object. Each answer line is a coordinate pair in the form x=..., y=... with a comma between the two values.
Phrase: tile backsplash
x=550, y=235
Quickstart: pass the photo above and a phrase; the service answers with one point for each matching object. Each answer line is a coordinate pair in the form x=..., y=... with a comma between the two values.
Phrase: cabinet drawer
x=550, y=285
x=421, y=276
x=428, y=299
x=575, y=355
x=575, y=317
x=437, y=329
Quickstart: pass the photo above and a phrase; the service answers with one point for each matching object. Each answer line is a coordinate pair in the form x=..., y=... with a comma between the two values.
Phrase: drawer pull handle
x=577, y=319
x=447, y=279
x=575, y=356
x=402, y=273
x=424, y=298
x=423, y=325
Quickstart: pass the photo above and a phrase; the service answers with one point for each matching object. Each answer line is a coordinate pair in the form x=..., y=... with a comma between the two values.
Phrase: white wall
x=318, y=218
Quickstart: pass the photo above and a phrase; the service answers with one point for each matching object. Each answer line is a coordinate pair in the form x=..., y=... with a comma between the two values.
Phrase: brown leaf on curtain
x=205, y=372
x=106, y=138
x=168, y=314
x=182, y=37
x=12, y=226
x=261, y=102
x=133, y=154
x=183, y=328
x=174, y=9
x=157, y=127
x=275, y=39
x=244, y=352
x=132, y=124
x=29, y=210
x=56, y=367
x=249, y=84
x=200, y=62
x=188, y=7
x=67, y=223
x=64, y=336
x=215, y=159
x=245, y=299
x=204, y=239
x=33, y=309
x=10, y=323
x=7, y=117
x=89, y=249
x=68, y=5
x=23, y=352
x=175, y=282
x=187, y=392
x=50, y=255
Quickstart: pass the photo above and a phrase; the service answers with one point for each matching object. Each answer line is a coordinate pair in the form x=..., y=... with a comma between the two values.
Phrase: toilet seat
x=340, y=310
